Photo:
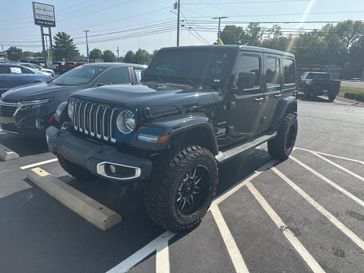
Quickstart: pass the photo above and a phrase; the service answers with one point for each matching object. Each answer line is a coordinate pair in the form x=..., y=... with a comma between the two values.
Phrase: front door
x=245, y=104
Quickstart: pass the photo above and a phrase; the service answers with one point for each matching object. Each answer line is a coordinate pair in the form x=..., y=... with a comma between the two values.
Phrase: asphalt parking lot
x=302, y=215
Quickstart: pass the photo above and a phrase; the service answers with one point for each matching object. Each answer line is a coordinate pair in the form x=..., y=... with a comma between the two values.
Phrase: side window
x=15, y=70
x=248, y=74
x=273, y=72
x=115, y=76
x=289, y=71
x=138, y=74
x=4, y=69
x=25, y=70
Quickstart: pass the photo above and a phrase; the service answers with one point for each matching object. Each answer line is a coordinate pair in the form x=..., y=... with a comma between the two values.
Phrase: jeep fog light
x=125, y=122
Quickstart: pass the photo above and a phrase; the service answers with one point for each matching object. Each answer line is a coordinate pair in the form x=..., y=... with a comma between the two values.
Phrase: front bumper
x=101, y=160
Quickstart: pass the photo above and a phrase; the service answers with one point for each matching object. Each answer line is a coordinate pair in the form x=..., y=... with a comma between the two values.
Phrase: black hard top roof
x=241, y=48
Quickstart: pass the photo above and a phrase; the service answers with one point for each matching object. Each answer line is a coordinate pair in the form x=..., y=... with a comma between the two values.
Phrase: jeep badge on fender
x=196, y=107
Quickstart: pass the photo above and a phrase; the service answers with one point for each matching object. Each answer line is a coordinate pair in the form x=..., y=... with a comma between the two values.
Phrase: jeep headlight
x=125, y=122
x=71, y=109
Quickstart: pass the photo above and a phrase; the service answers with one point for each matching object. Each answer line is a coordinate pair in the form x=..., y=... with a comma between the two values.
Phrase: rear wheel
x=182, y=188
x=282, y=145
x=332, y=97
x=73, y=169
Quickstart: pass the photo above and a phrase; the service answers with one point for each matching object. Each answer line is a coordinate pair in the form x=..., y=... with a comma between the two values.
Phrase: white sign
x=44, y=15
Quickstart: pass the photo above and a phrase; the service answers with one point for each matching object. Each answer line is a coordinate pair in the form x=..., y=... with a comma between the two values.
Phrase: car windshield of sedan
x=192, y=66
x=79, y=75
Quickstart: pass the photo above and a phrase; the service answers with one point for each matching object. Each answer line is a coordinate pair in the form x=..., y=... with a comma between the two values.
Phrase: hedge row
x=354, y=96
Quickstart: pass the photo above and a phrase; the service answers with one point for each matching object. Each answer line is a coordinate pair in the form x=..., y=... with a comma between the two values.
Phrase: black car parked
x=197, y=107
x=318, y=84
x=29, y=109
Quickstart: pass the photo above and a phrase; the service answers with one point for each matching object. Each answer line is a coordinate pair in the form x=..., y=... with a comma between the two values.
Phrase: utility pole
x=87, y=52
x=177, y=6
x=117, y=50
x=218, y=27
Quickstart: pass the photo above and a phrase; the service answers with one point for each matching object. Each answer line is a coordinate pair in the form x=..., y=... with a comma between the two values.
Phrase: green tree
x=253, y=35
x=64, y=48
x=14, y=53
x=350, y=32
x=108, y=56
x=142, y=57
x=129, y=57
x=232, y=35
x=95, y=54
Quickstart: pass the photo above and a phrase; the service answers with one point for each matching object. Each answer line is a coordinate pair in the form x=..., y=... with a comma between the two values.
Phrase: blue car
x=12, y=75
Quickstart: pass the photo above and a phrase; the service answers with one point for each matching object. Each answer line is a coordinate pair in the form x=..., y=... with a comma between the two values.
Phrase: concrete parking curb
x=7, y=154
x=88, y=208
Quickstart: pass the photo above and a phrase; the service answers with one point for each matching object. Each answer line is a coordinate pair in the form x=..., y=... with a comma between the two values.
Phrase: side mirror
x=246, y=81
x=101, y=84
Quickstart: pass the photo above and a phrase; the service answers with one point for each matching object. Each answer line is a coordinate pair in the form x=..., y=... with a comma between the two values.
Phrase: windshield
x=192, y=66
x=319, y=76
x=79, y=75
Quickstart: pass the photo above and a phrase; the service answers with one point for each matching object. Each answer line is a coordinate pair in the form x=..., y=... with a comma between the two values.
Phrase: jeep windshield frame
x=196, y=66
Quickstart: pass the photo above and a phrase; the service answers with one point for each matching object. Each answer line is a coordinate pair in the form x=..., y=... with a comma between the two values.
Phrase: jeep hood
x=160, y=98
x=36, y=91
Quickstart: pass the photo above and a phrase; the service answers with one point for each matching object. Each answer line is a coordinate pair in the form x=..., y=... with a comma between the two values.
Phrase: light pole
x=218, y=27
x=87, y=52
x=117, y=50
x=177, y=6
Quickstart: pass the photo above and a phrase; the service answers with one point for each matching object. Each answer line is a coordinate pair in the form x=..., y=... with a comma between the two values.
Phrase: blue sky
x=130, y=20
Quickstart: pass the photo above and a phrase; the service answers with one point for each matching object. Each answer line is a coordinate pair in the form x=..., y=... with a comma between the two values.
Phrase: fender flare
x=175, y=126
x=286, y=105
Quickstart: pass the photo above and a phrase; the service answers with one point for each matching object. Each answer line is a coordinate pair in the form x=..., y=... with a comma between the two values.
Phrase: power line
x=245, y=3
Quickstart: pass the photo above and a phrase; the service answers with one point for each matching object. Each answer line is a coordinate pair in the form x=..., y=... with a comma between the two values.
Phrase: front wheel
x=182, y=188
x=282, y=145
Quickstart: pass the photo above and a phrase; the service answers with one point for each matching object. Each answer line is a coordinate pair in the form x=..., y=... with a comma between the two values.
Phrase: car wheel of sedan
x=332, y=97
x=73, y=169
x=282, y=145
x=182, y=188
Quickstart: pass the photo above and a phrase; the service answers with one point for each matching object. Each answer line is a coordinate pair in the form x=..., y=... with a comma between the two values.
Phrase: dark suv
x=196, y=107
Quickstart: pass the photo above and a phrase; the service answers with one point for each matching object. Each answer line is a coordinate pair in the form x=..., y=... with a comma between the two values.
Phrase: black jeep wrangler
x=196, y=107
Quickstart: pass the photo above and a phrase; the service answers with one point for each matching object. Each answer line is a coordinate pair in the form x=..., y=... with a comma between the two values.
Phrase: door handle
x=278, y=95
x=259, y=99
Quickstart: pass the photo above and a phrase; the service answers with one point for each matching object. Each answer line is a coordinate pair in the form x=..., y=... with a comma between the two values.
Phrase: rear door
x=4, y=77
x=246, y=105
x=273, y=88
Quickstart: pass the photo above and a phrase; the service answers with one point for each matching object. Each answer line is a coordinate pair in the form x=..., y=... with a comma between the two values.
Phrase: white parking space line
x=340, y=167
x=359, y=242
x=138, y=256
x=302, y=251
x=234, y=252
x=330, y=155
x=330, y=182
x=38, y=164
x=243, y=182
x=162, y=258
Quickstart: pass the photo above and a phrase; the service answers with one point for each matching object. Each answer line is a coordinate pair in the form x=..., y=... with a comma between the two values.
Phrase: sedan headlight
x=71, y=109
x=125, y=122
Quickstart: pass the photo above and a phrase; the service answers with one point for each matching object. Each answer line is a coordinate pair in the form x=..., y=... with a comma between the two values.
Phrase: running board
x=222, y=156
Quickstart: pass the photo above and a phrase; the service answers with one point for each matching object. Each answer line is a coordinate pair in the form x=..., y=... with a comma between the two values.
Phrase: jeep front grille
x=93, y=119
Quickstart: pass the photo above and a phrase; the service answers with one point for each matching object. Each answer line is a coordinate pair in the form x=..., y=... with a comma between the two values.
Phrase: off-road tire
x=282, y=145
x=331, y=97
x=160, y=192
x=73, y=169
